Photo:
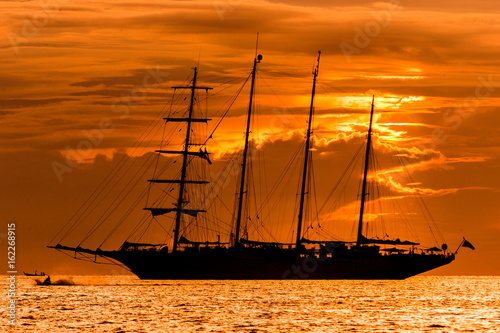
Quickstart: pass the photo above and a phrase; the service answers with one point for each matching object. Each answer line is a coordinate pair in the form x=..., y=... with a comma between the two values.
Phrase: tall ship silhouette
x=200, y=243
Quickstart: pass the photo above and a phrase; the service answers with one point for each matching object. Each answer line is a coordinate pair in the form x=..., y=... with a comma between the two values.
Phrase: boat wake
x=61, y=282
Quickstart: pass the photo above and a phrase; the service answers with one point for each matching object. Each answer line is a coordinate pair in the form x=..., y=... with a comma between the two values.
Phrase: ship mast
x=181, y=203
x=256, y=60
x=306, y=157
x=365, y=174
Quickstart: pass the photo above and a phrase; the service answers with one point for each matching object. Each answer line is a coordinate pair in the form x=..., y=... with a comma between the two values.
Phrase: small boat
x=47, y=281
x=34, y=274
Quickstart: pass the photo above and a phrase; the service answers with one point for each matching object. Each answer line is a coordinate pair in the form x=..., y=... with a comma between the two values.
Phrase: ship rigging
x=183, y=254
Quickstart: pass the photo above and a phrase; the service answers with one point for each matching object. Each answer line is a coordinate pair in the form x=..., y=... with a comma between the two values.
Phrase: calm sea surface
x=127, y=304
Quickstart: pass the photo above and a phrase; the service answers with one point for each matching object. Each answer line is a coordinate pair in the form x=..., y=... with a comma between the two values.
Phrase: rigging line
x=90, y=258
x=298, y=194
x=298, y=190
x=251, y=183
x=347, y=175
x=109, y=190
x=409, y=222
x=397, y=207
x=99, y=189
x=432, y=219
x=204, y=228
x=225, y=206
x=266, y=182
x=102, y=187
x=274, y=207
x=229, y=82
x=188, y=163
x=403, y=218
x=336, y=87
x=222, y=222
x=235, y=96
x=212, y=221
x=296, y=203
x=312, y=186
x=380, y=194
x=163, y=196
x=144, y=219
x=275, y=188
x=281, y=177
x=167, y=237
x=145, y=230
x=341, y=177
x=321, y=86
x=422, y=203
x=274, y=93
x=227, y=110
x=312, y=182
x=316, y=218
x=111, y=176
x=266, y=229
x=161, y=226
x=155, y=169
x=261, y=161
x=271, y=234
x=193, y=220
x=172, y=101
x=253, y=223
x=263, y=175
x=95, y=228
x=82, y=219
x=218, y=93
x=106, y=215
x=212, y=188
x=166, y=193
x=374, y=188
x=124, y=217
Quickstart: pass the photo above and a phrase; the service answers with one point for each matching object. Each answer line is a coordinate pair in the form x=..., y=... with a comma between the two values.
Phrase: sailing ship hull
x=157, y=265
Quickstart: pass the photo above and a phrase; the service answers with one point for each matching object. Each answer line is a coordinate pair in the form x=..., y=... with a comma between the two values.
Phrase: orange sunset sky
x=70, y=69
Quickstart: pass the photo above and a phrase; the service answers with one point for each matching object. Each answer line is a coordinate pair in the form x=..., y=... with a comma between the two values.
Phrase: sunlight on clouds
x=392, y=77
x=362, y=102
x=389, y=181
x=395, y=101
x=350, y=211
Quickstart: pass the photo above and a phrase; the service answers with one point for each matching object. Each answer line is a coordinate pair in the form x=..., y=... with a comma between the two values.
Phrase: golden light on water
x=456, y=303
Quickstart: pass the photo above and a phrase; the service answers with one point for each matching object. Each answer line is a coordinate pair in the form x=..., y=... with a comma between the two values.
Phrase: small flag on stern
x=468, y=244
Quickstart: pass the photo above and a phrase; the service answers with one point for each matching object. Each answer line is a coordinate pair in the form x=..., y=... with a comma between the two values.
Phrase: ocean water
x=127, y=304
